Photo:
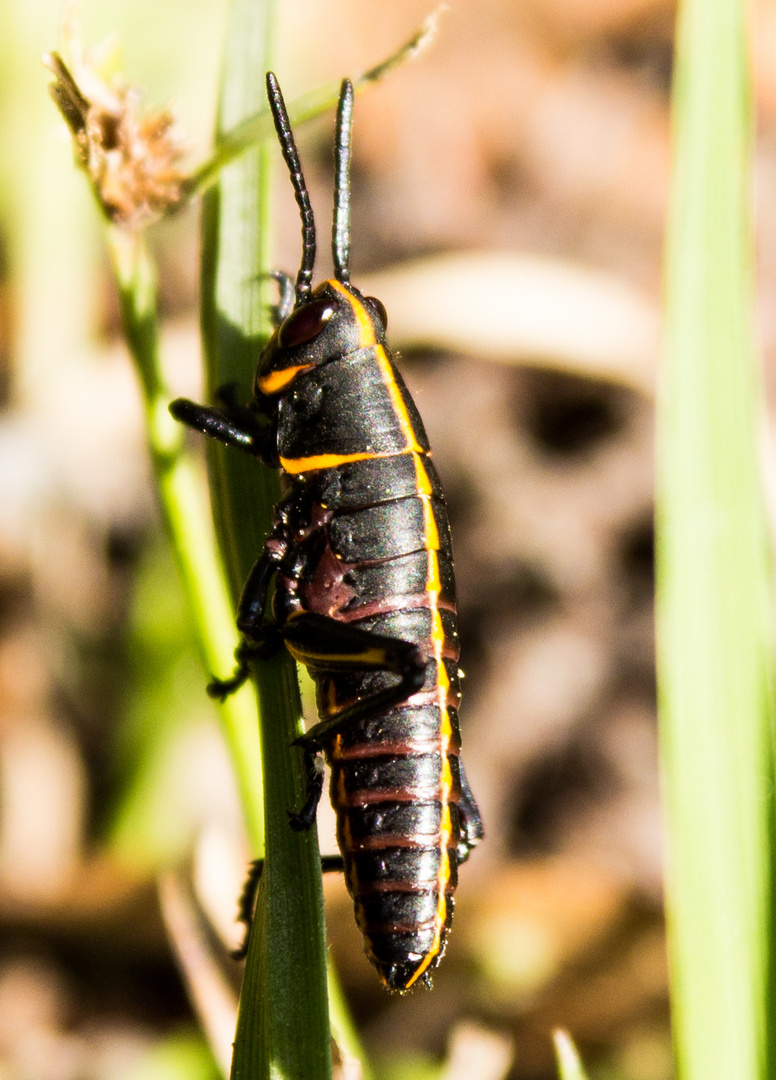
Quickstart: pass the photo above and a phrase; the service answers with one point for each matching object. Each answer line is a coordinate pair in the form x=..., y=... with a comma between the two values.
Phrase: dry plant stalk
x=130, y=155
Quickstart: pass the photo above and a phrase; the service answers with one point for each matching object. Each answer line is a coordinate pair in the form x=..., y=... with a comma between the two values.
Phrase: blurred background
x=509, y=192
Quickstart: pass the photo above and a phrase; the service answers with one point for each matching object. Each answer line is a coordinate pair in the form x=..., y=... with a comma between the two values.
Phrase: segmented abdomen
x=395, y=777
x=395, y=789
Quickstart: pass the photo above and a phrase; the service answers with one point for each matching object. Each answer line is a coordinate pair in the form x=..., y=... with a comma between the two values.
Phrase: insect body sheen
x=364, y=593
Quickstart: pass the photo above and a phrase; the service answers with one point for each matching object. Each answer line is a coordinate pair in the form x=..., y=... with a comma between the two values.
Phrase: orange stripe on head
x=275, y=381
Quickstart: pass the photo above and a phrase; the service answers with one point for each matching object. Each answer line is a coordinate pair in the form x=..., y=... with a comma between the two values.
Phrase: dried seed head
x=131, y=156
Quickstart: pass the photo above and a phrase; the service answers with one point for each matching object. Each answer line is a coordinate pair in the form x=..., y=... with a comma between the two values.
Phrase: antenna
x=288, y=146
x=340, y=237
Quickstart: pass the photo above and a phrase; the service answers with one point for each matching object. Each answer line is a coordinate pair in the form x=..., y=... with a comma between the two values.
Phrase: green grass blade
x=283, y=1025
x=715, y=638
x=569, y=1062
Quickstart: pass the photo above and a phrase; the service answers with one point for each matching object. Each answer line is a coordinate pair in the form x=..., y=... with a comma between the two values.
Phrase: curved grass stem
x=187, y=517
x=258, y=127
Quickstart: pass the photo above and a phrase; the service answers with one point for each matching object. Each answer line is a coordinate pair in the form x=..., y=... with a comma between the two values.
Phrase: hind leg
x=318, y=641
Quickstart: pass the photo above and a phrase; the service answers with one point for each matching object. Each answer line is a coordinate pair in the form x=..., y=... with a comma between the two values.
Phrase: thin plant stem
x=258, y=127
x=187, y=517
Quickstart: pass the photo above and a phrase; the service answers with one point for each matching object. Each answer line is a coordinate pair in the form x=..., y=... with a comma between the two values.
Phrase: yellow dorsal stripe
x=445, y=735
x=433, y=584
x=366, y=330
x=367, y=339
x=424, y=483
x=432, y=533
x=397, y=401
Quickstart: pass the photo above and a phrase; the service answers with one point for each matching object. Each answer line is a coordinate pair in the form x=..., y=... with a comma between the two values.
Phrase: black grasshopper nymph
x=361, y=557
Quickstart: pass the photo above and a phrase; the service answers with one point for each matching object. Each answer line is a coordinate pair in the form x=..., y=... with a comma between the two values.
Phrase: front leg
x=239, y=426
x=261, y=638
x=234, y=426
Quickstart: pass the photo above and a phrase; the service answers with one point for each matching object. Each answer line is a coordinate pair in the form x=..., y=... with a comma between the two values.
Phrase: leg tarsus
x=330, y=864
x=304, y=818
x=244, y=654
x=221, y=689
x=469, y=817
x=261, y=638
x=246, y=904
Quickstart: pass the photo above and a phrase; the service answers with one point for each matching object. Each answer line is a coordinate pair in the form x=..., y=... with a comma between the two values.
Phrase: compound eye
x=379, y=307
x=305, y=323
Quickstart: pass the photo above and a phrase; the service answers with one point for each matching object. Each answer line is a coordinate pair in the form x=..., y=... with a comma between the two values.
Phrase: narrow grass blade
x=569, y=1062
x=283, y=1025
x=187, y=515
x=715, y=638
